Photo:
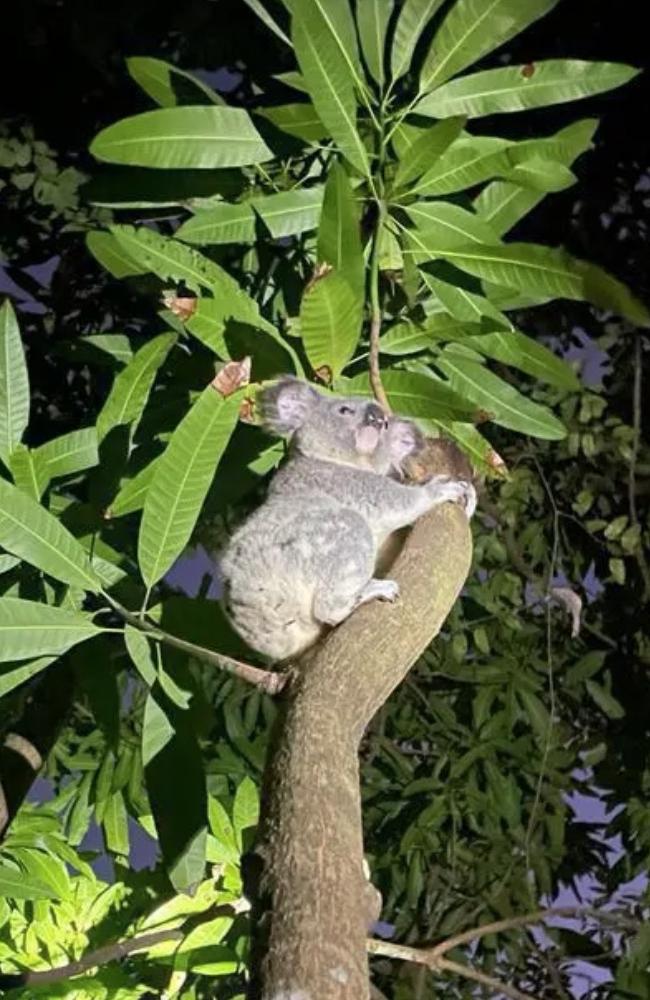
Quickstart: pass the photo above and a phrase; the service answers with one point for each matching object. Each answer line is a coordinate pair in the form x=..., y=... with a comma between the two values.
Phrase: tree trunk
x=312, y=905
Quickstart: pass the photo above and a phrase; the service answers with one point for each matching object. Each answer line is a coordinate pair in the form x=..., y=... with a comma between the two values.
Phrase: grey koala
x=305, y=559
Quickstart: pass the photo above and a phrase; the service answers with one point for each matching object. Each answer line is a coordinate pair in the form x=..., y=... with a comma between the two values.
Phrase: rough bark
x=312, y=904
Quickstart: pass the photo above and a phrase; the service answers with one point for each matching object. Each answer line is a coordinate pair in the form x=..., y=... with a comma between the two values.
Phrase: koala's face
x=346, y=429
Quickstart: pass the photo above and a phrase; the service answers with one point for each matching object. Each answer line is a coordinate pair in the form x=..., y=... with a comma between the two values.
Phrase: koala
x=306, y=558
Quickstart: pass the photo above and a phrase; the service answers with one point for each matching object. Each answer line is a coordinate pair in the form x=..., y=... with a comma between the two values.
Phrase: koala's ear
x=405, y=439
x=285, y=406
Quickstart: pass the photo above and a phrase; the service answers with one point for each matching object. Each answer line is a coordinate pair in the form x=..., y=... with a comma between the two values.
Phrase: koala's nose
x=375, y=416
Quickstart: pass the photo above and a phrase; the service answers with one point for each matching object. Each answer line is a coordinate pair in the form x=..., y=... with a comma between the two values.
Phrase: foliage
x=288, y=232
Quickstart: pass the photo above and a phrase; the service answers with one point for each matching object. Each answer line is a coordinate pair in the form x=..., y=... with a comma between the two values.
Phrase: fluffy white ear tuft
x=286, y=405
x=404, y=439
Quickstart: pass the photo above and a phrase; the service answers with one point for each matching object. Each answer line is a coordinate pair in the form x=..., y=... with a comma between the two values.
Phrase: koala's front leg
x=398, y=506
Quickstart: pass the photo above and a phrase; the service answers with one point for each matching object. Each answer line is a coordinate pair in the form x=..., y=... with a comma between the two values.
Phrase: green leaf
x=264, y=16
x=469, y=161
x=116, y=830
x=404, y=338
x=192, y=137
x=330, y=322
x=524, y=266
x=414, y=395
x=181, y=480
x=372, y=21
x=69, y=453
x=223, y=831
x=516, y=349
x=476, y=447
x=289, y=212
x=605, y=701
x=139, y=650
x=471, y=29
x=504, y=404
x=413, y=18
x=131, y=387
x=157, y=730
x=299, y=120
x=222, y=223
x=332, y=22
x=246, y=807
x=155, y=76
x=606, y=292
x=115, y=345
x=427, y=149
x=131, y=496
x=31, y=532
x=515, y=88
x=13, y=677
x=108, y=252
x=28, y=471
x=326, y=68
x=461, y=303
x=43, y=868
x=29, y=629
x=339, y=239
x=440, y=224
x=14, y=383
x=170, y=259
x=15, y=884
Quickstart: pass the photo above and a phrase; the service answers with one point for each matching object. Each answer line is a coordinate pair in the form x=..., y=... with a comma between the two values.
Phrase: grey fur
x=306, y=558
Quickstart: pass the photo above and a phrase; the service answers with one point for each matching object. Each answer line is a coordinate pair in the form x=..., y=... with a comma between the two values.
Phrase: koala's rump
x=280, y=560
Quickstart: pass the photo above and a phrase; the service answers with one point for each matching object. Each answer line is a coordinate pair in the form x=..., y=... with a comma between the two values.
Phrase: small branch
x=480, y=977
x=267, y=680
x=375, y=314
x=425, y=957
x=101, y=956
x=434, y=958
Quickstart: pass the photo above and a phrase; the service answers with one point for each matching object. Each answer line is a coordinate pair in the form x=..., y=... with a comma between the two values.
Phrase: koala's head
x=349, y=430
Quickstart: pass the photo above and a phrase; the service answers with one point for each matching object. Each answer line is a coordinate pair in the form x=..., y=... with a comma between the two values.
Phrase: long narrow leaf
x=131, y=387
x=471, y=29
x=416, y=395
x=155, y=76
x=181, y=480
x=222, y=223
x=330, y=83
x=330, y=323
x=413, y=18
x=372, y=21
x=14, y=382
x=298, y=120
x=69, y=453
x=427, y=149
x=287, y=213
x=516, y=88
x=31, y=532
x=191, y=137
x=527, y=267
x=498, y=400
x=29, y=629
x=339, y=239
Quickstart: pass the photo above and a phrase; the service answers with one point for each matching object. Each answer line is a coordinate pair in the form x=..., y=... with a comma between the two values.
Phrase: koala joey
x=305, y=559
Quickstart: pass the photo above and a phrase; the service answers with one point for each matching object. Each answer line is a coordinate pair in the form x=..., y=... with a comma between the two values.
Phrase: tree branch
x=311, y=908
x=433, y=958
x=268, y=680
x=100, y=956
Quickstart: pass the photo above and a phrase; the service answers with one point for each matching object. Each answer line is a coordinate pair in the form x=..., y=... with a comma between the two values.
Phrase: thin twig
x=101, y=956
x=375, y=315
x=426, y=958
x=434, y=958
x=267, y=680
x=480, y=977
x=636, y=442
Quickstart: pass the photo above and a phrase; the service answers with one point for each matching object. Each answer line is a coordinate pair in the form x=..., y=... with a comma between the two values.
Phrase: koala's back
x=286, y=554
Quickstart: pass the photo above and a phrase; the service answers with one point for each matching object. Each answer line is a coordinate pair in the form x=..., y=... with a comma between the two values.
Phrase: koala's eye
x=345, y=410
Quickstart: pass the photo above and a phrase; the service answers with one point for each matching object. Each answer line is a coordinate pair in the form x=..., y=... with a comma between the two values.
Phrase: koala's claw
x=379, y=590
x=456, y=491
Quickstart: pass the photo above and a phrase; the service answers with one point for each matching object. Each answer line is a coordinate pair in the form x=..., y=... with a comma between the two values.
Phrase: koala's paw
x=379, y=590
x=469, y=498
x=454, y=490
